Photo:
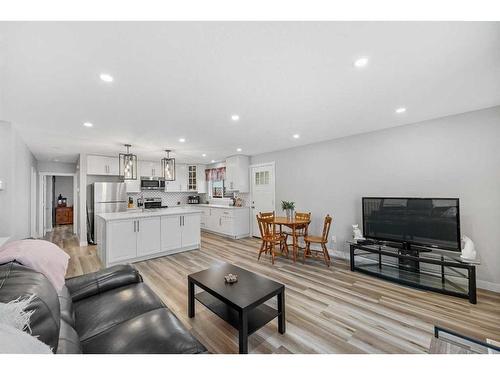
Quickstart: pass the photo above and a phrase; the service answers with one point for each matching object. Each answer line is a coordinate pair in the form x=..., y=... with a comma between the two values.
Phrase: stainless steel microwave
x=152, y=183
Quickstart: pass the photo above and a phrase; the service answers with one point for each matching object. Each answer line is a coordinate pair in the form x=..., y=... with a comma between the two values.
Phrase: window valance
x=215, y=174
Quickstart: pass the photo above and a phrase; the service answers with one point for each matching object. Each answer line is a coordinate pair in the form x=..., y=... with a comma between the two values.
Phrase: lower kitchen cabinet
x=122, y=241
x=191, y=230
x=179, y=232
x=148, y=236
x=171, y=236
x=231, y=222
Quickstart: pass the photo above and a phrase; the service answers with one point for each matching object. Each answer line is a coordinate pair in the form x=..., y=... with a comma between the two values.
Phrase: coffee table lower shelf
x=257, y=318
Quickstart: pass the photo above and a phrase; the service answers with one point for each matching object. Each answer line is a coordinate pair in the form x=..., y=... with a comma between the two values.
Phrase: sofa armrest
x=84, y=286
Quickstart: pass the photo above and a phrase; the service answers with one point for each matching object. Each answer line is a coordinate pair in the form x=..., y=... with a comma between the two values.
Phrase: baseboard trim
x=84, y=243
x=488, y=285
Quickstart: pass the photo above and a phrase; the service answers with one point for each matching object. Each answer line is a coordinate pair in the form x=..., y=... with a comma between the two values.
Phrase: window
x=262, y=178
x=218, y=190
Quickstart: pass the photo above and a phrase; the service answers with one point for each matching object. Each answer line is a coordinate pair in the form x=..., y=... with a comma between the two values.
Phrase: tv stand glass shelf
x=429, y=270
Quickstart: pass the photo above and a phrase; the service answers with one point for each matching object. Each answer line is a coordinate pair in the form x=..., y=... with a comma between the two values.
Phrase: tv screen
x=432, y=222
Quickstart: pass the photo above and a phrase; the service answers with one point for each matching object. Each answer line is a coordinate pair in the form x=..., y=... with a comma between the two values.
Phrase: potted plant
x=288, y=207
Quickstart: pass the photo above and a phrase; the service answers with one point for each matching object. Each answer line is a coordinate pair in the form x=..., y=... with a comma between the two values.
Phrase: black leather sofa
x=109, y=311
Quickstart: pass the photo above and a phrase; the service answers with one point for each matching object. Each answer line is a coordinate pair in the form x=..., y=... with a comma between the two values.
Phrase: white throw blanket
x=14, y=321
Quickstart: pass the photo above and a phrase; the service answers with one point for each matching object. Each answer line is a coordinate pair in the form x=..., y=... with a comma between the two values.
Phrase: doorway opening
x=58, y=195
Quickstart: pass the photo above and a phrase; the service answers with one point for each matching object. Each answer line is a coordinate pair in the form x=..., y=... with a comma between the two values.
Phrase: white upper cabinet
x=149, y=169
x=181, y=180
x=237, y=173
x=201, y=182
x=102, y=165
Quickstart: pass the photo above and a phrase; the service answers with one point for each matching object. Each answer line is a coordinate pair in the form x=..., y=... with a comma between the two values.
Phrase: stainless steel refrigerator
x=107, y=197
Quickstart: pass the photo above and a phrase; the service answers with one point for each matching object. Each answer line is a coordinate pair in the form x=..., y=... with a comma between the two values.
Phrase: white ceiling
x=186, y=79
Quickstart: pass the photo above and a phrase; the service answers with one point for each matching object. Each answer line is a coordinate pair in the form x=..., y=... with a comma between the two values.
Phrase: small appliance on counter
x=193, y=199
x=150, y=203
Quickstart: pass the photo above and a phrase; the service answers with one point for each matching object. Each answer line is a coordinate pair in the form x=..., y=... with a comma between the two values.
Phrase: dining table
x=293, y=224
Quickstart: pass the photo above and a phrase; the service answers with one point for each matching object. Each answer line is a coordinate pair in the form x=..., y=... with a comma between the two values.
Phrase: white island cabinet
x=124, y=237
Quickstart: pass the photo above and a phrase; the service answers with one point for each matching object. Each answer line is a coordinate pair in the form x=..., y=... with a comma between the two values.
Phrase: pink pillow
x=42, y=256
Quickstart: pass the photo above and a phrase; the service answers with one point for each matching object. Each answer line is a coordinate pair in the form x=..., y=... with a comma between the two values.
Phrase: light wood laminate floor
x=329, y=310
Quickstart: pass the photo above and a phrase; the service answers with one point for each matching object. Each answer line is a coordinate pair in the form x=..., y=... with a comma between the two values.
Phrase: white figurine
x=356, y=232
x=468, y=251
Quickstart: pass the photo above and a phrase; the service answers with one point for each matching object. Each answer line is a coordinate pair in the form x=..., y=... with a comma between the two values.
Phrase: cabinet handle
x=134, y=226
x=138, y=227
x=220, y=220
x=180, y=221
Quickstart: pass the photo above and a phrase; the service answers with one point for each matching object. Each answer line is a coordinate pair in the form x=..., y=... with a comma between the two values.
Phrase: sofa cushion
x=105, y=310
x=157, y=331
x=90, y=284
x=69, y=342
x=21, y=281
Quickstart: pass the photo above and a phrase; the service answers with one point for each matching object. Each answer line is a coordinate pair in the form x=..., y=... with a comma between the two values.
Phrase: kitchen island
x=135, y=235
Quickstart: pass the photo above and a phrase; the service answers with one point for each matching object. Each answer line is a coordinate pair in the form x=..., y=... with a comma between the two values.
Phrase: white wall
x=455, y=156
x=64, y=185
x=56, y=167
x=6, y=178
x=15, y=170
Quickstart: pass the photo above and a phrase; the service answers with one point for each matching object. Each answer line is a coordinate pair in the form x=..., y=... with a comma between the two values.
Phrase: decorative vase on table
x=289, y=208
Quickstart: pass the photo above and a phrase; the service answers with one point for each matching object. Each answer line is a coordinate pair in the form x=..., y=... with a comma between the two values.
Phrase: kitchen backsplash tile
x=172, y=199
x=167, y=199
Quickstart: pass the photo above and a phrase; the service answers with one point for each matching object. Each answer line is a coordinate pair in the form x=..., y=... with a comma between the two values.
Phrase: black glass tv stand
x=428, y=270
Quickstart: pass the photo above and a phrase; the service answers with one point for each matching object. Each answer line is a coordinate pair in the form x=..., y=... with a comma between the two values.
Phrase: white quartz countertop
x=221, y=206
x=138, y=213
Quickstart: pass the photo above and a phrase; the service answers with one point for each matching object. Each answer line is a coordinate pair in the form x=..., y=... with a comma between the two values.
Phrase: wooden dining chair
x=270, y=238
x=300, y=230
x=267, y=215
x=322, y=240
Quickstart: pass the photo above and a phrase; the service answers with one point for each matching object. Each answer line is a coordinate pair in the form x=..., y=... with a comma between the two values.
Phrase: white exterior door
x=262, y=186
x=191, y=230
x=122, y=239
x=148, y=236
x=171, y=233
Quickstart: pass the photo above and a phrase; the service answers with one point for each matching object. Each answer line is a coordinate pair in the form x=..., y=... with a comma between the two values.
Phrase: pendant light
x=168, y=167
x=128, y=165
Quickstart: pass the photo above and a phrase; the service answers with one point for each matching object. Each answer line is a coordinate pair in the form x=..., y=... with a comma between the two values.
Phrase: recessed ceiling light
x=296, y=136
x=235, y=117
x=106, y=77
x=88, y=124
x=361, y=62
x=56, y=160
x=204, y=155
x=182, y=140
x=400, y=110
x=239, y=149
x=213, y=161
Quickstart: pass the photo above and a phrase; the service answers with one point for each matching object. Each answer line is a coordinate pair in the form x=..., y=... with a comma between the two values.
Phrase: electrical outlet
x=334, y=239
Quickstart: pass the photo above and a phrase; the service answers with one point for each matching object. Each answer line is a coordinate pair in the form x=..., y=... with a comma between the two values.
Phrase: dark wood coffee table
x=240, y=304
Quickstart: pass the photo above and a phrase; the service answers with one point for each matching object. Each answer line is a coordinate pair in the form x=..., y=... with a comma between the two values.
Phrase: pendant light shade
x=128, y=165
x=168, y=167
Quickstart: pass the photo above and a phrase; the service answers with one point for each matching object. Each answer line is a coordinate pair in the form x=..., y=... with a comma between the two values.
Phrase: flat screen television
x=428, y=222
